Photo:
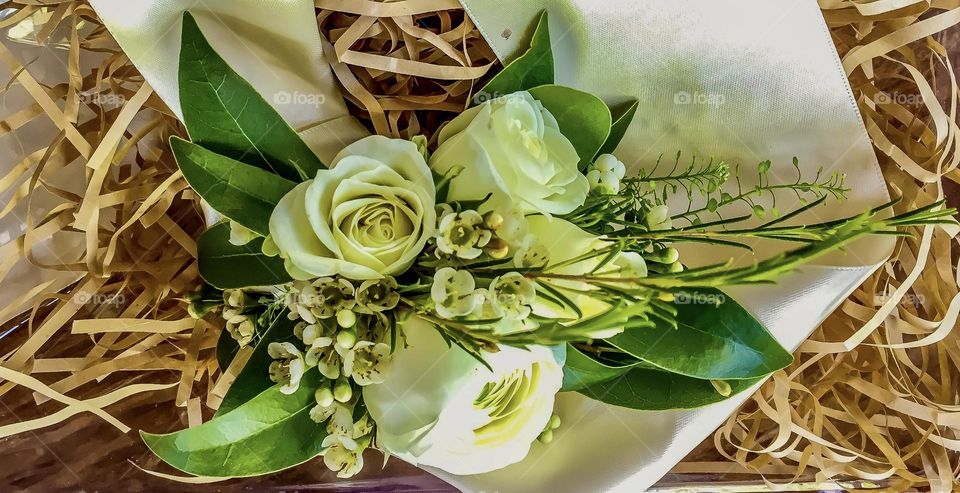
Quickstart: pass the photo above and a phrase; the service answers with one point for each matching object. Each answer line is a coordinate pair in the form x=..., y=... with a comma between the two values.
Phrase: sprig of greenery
x=830, y=236
x=702, y=177
x=624, y=310
x=819, y=187
x=623, y=216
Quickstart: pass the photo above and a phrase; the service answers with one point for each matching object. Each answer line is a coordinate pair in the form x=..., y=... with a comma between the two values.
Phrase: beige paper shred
x=382, y=53
x=872, y=400
x=122, y=320
x=874, y=393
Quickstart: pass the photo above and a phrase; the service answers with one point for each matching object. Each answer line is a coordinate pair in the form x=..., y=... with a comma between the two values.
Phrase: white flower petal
x=426, y=410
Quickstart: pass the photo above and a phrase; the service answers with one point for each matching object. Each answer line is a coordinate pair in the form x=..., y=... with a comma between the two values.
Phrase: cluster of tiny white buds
x=239, y=317
x=605, y=174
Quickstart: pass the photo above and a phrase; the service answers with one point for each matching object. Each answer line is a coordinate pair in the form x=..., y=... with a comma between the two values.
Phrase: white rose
x=511, y=146
x=367, y=216
x=440, y=407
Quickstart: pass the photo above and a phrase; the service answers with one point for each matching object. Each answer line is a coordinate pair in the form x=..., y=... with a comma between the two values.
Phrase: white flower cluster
x=605, y=174
x=241, y=323
x=346, y=335
x=468, y=234
x=343, y=329
x=508, y=298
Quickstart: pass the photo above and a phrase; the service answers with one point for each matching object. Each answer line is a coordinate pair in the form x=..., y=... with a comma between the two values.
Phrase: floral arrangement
x=430, y=301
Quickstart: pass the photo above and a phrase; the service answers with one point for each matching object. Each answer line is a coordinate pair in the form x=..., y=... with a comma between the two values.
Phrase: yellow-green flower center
x=504, y=402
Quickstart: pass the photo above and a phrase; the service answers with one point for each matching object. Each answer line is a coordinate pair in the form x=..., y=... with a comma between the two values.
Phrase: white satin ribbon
x=274, y=44
x=745, y=82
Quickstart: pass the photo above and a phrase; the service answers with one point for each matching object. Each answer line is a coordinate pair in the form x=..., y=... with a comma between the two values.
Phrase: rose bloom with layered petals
x=512, y=147
x=438, y=406
x=366, y=217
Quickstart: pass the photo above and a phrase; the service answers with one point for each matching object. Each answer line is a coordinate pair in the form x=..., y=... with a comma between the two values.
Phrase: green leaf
x=255, y=376
x=581, y=371
x=225, y=114
x=227, y=349
x=712, y=204
x=622, y=116
x=229, y=266
x=763, y=167
x=655, y=390
x=583, y=118
x=531, y=69
x=269, y=433
x=711, y=341
x=241, y=192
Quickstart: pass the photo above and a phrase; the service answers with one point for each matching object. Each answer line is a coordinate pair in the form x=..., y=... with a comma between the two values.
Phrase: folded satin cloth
x=273, y=44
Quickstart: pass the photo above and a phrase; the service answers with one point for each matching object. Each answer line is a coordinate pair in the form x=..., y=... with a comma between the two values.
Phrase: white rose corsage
x=432, y=305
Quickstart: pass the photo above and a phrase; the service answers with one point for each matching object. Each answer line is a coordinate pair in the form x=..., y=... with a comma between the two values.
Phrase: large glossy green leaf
x=228, y=266
x=622, y=116
x=711, y=341
x=225, y=114
x=656, y=390
x=531, y=69
x=581, y=370
x=268, y=433
x=584, y=119
x=255, y=376
x=227, y=349
x=241, y=192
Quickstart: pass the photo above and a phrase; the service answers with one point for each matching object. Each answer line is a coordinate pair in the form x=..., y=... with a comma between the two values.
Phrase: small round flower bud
x=554, y=422
x=671, y=255
x=663, y=256
x=497, y=248
x=346, y=339
x=342, y=391
x=324, y=396
x=346, y=319
x=493, y=220
x=546, y=437
x=676, y=267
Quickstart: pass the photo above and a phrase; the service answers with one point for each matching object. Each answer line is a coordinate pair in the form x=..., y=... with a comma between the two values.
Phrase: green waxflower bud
x=497, y=248
x=663, y=256
x=346, y=319
x=324, y=396
x=342, y=391
x=546, y=437
x=493, y=220
x=346, y=339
